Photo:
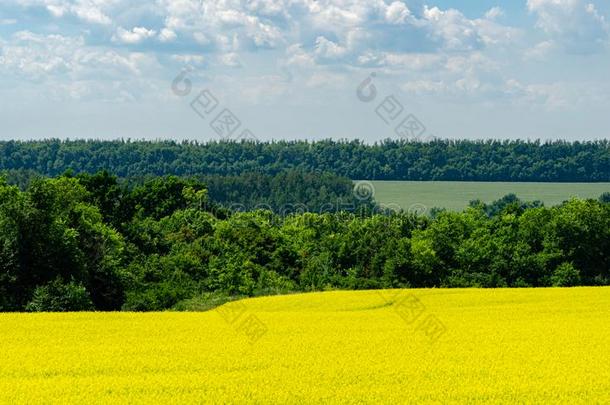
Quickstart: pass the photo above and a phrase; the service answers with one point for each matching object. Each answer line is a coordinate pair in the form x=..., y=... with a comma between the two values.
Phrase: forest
x=90, y=241
x=465, y=160
x=286, y=192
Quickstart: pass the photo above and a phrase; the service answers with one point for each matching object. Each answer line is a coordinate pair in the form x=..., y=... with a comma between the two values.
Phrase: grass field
x=456, y=195
x=431, y=346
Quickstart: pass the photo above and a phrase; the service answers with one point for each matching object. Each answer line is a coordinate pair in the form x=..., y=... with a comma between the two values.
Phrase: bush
x=565, y=275
x=59, y=297
x=205, y=301
x=157, y=297
x=270, y=283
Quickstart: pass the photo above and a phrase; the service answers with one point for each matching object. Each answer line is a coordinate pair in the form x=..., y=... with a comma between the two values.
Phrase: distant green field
x=455, y=195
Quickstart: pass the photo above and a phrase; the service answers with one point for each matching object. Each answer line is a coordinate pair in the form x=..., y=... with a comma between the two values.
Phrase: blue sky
x=288, y=69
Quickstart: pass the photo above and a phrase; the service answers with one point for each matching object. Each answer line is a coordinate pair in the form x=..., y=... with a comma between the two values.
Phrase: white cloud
x=325, y=80
x=90, y=11
x=230, y=59
x=443, y=50
x=414, y=61
x=135, y=36
x=329, y=50
x=397, y=13
x=494, y=13
x=346, y=32
x=248, y=23
x=296, y=56
x=575, y=24
x=56, y=10
x=189, y=59
x=549, y=97
x=456, y=32
x=540, y=51
x=335, y=15
x=556, y=96
x=167, y=35
x=376, y=33
x=269, y=8
x=201, y=38
x=36, y=56
x=68, y=68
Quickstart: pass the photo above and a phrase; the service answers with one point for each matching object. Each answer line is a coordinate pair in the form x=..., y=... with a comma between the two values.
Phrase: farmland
x=455, y=196
x=503, y=346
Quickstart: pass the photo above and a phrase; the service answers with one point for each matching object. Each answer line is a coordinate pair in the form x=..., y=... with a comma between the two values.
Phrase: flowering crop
x=501, y=346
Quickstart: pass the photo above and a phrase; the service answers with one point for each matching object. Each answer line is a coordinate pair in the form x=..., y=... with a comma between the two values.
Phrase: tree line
x=286, y=192
x=87, y=241
x=450, y=160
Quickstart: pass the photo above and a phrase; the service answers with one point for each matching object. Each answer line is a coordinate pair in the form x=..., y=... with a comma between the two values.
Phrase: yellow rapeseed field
x=424, y=346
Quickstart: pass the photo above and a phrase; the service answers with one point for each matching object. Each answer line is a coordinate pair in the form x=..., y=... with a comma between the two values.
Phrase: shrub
x=565, y=275
x=57, y=296
x=205, y=301
x=157, y=297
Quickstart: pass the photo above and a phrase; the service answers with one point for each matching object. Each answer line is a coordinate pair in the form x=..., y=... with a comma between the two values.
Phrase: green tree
x=57, y=296
x=566, y=275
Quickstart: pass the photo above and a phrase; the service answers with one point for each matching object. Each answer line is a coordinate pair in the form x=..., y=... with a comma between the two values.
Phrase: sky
x=304, y=69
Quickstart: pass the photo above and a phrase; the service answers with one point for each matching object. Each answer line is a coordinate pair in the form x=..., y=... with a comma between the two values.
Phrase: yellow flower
x=400, y=346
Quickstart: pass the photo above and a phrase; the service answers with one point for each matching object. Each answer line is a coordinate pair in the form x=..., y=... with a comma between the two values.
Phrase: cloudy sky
x=204, y=69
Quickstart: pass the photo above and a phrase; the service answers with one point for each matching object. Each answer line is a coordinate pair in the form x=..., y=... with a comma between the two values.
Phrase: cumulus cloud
x=37, y=56
x=189, y=59
x=349, y=32
x=377, y=33
x=135, y=36
x=459, y=33
x=453, y=29
x=443, y=49
x=90, y=11
x=230, y=59
x=297, y=56
x=575, y=24
x=69, y=68
x=167, y=35
x=494, y=13
x=457, y=78
x=250, y=24
x=329, y=50
x=397, y=13
x=540, y=51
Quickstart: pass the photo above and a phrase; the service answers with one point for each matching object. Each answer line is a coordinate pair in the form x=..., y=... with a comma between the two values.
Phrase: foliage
x=490, y=160
x=51, y=231
x=205, y=302
x=154, y=246
x=287, y=192
x=57, y=296
x=565, y=275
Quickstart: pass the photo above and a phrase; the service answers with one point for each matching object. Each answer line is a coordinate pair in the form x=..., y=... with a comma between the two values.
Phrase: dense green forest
x=91, y=242
x=557, y=161
x=286, y=192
